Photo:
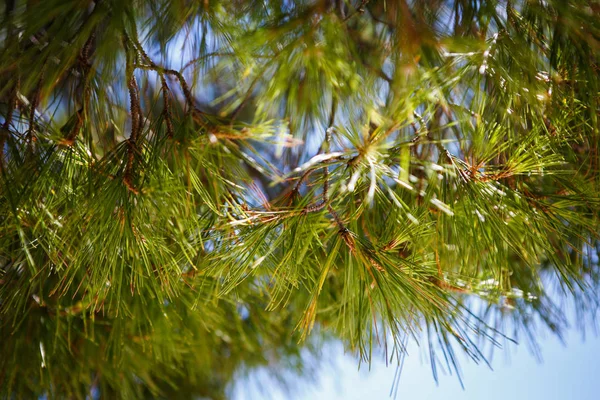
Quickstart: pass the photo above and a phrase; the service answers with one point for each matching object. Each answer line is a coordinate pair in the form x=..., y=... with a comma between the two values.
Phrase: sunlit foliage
x=191, y=189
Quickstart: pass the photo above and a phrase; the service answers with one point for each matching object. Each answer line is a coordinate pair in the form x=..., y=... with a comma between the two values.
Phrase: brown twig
x=324, y=147
x=189, y=98
x=165, y=89
x=4, y=132
x=86, y=93
x=358, y=10
x=136, y=117
x=34, y=104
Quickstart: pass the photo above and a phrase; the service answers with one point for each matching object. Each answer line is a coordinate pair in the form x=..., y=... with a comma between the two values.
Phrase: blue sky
x=567, y=372
x=570, y=371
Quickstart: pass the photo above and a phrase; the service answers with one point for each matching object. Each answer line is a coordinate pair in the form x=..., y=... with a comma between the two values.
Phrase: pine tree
x=193, y=189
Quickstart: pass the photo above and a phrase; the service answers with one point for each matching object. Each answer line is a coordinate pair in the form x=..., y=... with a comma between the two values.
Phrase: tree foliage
x=192, y=189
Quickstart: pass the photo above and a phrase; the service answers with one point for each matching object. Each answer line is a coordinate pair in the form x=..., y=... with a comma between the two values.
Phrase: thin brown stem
x=35, y=99
x=164, y=87
x=4, y=132
x=358, y=10
x=136, y=117
x=325, y=146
